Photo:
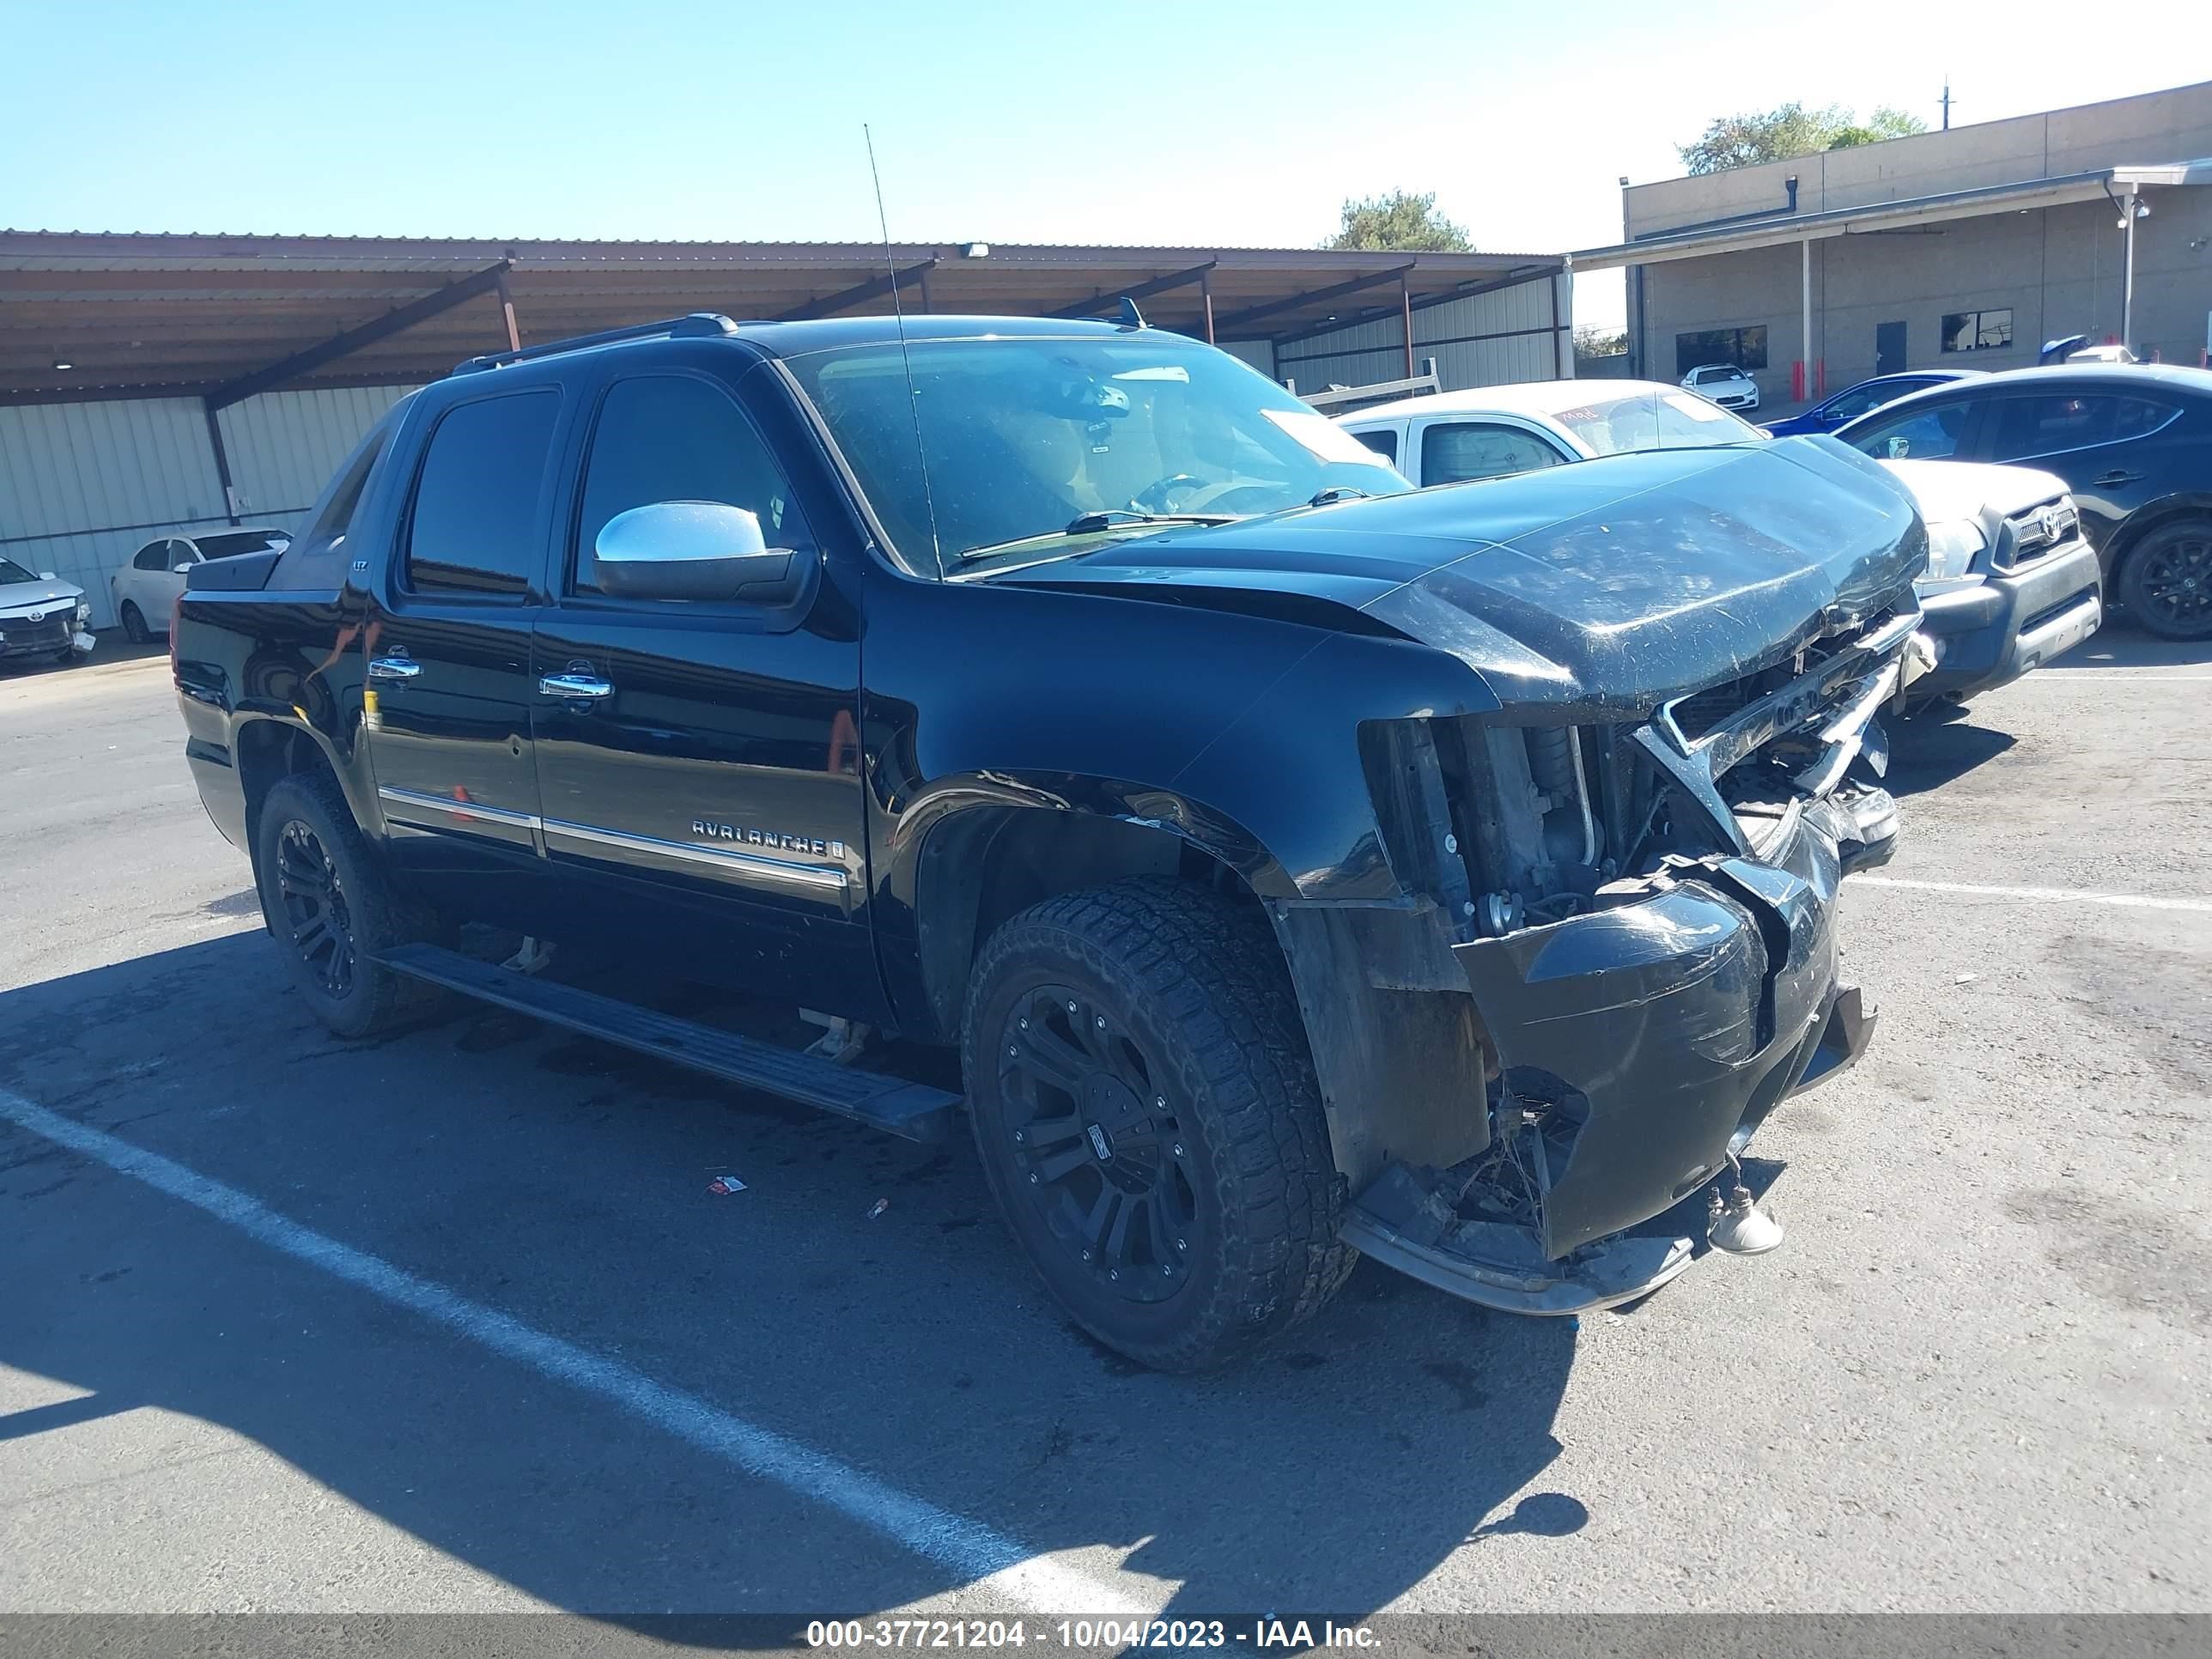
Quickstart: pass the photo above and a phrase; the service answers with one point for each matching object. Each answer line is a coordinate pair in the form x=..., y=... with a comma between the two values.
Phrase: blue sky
x=1125, y=122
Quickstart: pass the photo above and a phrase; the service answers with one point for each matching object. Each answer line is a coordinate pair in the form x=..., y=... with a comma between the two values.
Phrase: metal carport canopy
x=221, y=317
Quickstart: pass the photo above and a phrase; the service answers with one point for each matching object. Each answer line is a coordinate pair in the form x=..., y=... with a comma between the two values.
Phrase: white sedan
x=144, y=591
x=1723, y=384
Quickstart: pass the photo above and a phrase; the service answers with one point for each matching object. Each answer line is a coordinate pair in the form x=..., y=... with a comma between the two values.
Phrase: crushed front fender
x=1659, y=1032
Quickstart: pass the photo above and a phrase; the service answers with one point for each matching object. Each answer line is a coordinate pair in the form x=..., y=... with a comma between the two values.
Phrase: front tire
x=1145, y=1107
x=331, y=908
x=2167, y=582
x=134, y=623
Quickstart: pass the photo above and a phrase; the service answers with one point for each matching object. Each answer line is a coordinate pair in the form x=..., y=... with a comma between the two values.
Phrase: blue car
x=1855, y=401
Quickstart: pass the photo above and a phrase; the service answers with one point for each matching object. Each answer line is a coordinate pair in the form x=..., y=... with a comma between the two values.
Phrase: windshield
x=234, y=543
x=1051, y=444
x=12, y=573
x=1654, y=420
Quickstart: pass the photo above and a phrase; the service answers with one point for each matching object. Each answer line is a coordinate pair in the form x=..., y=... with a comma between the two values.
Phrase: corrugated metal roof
x=177, y=312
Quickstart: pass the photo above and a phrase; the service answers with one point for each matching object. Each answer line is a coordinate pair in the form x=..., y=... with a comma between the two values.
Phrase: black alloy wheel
x=329, y=903
x=1147, y=1113
x=134, y=623
x=315, y=908
x=2169, y=581
x=1097, y=1143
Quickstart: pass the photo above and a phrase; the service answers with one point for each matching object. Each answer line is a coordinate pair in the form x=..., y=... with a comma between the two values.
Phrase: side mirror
x=692, y=551
x=48, y=576
x=181, y=568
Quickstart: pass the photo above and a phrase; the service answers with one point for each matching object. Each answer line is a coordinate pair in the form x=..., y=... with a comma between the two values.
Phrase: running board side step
x=915, y=1110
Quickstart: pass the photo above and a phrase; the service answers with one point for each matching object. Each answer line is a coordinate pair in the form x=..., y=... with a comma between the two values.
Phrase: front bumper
x=43, y=639
x=1673, y=1026
x=1990, y=635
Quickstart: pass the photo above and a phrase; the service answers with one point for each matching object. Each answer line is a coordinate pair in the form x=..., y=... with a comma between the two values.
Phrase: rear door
x=448, y=691
x=699, y=762
x=2104, y=444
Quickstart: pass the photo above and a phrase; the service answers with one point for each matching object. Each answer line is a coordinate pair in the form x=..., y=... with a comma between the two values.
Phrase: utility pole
x=1946, y=100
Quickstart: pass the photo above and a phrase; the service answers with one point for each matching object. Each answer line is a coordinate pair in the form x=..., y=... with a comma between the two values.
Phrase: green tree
x=1777, y=134
x=1399, y=221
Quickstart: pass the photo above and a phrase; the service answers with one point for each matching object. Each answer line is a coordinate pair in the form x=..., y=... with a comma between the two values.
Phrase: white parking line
x=2050, y=895
x=1011, y=1572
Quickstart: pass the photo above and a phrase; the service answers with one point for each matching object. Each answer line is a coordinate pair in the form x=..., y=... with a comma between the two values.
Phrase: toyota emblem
x=36, y=615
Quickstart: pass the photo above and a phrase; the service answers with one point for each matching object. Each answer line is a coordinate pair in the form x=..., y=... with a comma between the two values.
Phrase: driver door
x=698, y=762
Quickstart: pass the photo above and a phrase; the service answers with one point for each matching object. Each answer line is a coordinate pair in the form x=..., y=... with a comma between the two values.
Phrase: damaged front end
x=1641, y=917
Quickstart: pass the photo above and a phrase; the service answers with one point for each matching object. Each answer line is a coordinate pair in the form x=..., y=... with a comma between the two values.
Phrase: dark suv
x=1297, y=864
x=2133, y=443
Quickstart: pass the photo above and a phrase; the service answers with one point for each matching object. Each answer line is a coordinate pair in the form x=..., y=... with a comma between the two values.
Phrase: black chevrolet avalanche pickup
x=1301, y=866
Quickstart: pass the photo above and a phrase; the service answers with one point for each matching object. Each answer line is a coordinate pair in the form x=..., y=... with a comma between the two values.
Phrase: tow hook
x=1736, y=1223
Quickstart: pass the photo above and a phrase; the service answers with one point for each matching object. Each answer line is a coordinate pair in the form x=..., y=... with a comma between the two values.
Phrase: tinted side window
x=155, y=555
x=1925, y=433
x=2055, y=421
x=477, y=502
x=1382, y=441
x=671, y=438
x=1478, y=449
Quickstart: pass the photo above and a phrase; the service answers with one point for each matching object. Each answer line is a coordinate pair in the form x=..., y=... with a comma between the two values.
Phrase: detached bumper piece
x=1405, y=1221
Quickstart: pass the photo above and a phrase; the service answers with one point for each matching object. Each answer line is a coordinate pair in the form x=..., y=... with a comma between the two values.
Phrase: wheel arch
x=972, y=863
x=265, y=750
x=2143, y=522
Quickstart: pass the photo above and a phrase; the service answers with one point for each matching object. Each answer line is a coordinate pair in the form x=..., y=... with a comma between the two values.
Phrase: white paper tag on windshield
x=1324, y=436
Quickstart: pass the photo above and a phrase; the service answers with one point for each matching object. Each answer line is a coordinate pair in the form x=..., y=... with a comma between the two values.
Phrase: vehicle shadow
x=2126, y=645
x=1937, y=746
x=560, y=1182
x=113, y=649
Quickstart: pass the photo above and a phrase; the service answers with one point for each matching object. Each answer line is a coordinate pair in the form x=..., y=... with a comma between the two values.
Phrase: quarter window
x=475, y=528
x=1977, y=331
x=671, y=438
x=155, y=555
x=1480, y=449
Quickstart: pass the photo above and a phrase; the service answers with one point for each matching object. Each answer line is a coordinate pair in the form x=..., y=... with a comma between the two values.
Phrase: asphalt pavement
x=451, y=1321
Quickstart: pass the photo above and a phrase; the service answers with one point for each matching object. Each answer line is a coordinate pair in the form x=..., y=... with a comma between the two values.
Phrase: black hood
x=1612, y=584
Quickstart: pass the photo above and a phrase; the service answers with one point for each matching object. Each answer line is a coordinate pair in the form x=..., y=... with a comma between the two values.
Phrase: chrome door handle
x=2110, y=479
x=574, y=685
x=393, y=668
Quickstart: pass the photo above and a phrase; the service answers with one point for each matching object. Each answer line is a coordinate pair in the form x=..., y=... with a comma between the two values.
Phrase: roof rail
x=697, y=325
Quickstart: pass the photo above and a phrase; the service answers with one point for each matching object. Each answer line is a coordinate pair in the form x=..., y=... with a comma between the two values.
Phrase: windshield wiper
x=1089, y=523
x=1107, y=517
x=1338, y=493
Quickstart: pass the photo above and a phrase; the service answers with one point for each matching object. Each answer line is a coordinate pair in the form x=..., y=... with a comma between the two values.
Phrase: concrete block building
x=1967, y=248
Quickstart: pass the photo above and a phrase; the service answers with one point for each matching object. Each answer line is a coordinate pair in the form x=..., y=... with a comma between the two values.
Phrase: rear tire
x=1159, y=1151
x=2167, y=582
x=331, y=908
x=134, y=623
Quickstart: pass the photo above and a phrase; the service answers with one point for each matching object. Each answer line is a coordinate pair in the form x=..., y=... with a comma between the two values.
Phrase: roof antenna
x=1130, y=316
x=906, y=358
